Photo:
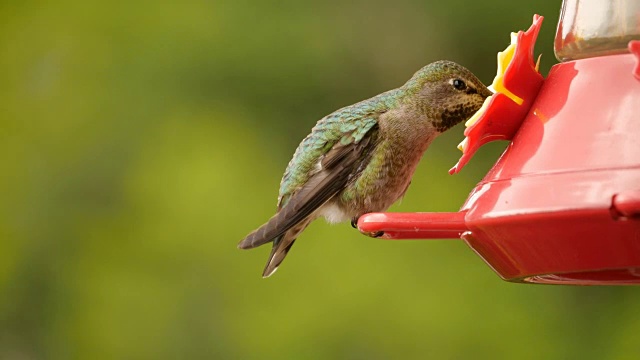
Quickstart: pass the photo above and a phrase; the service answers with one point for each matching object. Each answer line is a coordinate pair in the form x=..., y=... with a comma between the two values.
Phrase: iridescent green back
x=347, y=125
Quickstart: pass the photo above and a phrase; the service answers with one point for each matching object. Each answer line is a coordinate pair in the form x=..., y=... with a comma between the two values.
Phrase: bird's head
x=447, y=93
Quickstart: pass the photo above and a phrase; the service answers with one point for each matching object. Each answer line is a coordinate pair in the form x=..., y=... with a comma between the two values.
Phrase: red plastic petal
x=503, y=116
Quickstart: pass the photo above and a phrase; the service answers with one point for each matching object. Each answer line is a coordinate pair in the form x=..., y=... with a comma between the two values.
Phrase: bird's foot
x=375, y=234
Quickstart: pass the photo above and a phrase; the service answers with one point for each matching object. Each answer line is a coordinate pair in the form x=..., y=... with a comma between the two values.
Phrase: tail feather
x=281, y=247
x=278, y=253
x=289, y=217
x=261, y=235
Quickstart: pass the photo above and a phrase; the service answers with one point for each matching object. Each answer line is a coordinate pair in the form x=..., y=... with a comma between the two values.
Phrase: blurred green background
x=141, y=140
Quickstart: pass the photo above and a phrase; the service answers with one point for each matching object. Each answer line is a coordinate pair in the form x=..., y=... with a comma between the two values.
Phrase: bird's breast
x=386, y=176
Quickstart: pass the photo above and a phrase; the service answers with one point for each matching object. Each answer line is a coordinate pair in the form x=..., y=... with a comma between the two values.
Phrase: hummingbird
x=361, y=158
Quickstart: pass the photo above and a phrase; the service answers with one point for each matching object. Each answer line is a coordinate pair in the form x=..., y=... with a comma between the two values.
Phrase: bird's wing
x=345, y=126
x=334, y=168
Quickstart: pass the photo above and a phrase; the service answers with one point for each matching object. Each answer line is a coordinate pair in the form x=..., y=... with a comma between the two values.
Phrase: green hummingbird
x=361, y=158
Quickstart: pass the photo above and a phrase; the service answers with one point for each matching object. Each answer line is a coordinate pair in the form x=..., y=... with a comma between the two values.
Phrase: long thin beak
x=486, y=93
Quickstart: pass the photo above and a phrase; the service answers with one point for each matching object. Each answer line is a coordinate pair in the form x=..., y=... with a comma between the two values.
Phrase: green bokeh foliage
x=140, y=141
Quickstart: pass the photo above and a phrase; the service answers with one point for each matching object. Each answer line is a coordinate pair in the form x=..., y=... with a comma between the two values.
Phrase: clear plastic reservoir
x=590, y=28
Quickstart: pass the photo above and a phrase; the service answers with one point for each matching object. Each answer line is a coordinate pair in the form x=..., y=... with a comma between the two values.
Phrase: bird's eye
x=458, y=84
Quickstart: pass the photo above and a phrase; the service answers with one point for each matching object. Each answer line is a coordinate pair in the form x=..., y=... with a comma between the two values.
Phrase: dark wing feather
x=337, y=166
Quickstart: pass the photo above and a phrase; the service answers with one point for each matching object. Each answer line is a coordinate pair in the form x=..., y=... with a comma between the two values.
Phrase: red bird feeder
x=562, y=204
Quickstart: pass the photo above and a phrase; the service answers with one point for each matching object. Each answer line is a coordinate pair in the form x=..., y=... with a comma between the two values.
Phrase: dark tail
x=281, y=247
x=284, y=220
x=281, y=243
x=262, y=235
